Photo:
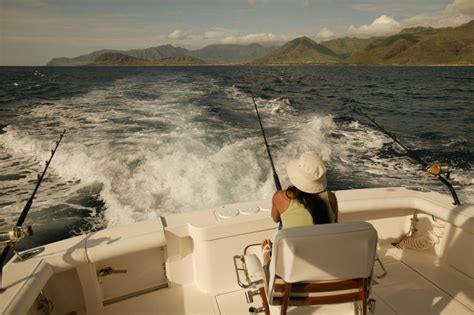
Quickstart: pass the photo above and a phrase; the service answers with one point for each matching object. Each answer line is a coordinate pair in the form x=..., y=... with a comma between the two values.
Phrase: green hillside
x=180, y=60
x=421, y=47
x=153, y=53
x=231, y=53
x=119, y=59
x=78, y=61
x=216, y=54
x=302, y=50
x=347, y=46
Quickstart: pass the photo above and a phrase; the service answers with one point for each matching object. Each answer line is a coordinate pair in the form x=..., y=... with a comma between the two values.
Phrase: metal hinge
x=107, y=271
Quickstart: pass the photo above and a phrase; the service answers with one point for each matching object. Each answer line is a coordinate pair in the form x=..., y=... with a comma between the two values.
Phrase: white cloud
x=179, y=35
x=462, y=6
x=324, y=34
x=381, y=26
x=436, y=21
x=454, y=14
x=255, y=38
x=213, y=34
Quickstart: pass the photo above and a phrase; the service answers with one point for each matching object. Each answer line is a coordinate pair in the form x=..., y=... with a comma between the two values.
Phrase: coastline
x=253, y=65
x=284, y=65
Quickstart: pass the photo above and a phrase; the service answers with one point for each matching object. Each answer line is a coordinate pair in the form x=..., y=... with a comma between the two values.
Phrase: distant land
x=414, y=46
x=212, y=54
x=120, y=59
x=302, y=50
x=420, y=46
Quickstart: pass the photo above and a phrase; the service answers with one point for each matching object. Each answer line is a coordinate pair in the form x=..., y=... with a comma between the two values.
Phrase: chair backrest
x=323, y=252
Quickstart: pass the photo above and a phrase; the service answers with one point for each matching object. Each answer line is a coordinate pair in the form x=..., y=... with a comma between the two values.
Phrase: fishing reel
x=437, y=169
x=14, y=235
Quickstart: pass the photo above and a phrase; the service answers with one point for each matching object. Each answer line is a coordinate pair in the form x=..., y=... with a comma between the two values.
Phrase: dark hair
x=315, y=205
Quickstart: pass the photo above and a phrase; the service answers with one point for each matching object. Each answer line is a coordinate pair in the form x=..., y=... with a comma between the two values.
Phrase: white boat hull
x=183, y=263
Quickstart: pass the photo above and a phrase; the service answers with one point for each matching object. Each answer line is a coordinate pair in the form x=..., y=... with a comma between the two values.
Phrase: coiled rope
x=424, y=242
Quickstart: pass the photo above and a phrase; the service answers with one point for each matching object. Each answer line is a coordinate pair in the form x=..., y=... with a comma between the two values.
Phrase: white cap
x=308, y=173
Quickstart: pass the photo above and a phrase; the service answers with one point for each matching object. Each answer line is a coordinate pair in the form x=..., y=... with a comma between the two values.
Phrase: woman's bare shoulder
x=281, y=200
x=280, y=195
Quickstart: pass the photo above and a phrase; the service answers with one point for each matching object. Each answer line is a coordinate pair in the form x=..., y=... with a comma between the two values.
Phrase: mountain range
x=120, y=59
x=302, y=50
x=414, y=46
x=212, y=54
x=420, y=46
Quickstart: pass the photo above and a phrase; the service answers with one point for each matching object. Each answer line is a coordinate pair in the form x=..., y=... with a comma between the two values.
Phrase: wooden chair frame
x=359, y=285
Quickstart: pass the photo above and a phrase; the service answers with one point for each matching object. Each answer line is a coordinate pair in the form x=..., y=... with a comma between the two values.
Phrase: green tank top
x=297, y=215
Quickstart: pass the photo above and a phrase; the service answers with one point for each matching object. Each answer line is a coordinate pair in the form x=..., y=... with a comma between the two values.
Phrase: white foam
x=280, y=108
x=351, y=150
x=158, y=156
x=147, y=173
x=463, y=181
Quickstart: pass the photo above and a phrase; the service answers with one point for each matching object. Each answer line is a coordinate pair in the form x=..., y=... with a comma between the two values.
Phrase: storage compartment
x=131, y=275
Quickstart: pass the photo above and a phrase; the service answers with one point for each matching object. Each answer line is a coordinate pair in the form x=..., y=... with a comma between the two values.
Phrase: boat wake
x=144, y=147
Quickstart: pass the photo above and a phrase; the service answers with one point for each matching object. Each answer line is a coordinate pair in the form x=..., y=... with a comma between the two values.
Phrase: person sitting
x=305, y=202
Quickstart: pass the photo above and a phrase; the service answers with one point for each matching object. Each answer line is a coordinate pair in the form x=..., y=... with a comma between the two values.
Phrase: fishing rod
x=435, y=169
x=275, y=175
x=10, y=238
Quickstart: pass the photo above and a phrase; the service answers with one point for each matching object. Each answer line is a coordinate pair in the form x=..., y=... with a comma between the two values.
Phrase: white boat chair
x=315, y=265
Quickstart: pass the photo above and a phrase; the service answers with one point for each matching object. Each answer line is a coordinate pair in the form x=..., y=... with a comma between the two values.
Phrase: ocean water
x=143, y=142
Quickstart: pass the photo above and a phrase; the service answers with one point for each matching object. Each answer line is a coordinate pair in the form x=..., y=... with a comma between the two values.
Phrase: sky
x=32, y=32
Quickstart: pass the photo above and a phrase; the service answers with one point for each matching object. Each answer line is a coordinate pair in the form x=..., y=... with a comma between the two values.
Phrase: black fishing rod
x=275, y=175
x=435, y=169
x=11, y=237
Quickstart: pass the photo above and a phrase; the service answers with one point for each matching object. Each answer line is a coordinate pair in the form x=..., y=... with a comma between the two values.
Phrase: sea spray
x=148, y=142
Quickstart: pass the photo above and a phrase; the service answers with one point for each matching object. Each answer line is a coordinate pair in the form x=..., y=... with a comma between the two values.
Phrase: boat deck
x=405, y=290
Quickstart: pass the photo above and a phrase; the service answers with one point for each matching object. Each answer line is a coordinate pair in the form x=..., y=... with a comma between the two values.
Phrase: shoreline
x=248, y=65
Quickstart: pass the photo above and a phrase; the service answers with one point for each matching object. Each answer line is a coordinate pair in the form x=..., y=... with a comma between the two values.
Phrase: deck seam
x=434, y=284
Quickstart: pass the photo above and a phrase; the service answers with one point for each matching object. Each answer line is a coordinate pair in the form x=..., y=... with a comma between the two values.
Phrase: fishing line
x=275, y=175
x=11, y=237
x=435, y=169
x=430, y=239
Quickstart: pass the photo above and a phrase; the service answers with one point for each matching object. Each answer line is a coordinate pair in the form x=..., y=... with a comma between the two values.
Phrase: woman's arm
x=275, y=212
x=333, y=201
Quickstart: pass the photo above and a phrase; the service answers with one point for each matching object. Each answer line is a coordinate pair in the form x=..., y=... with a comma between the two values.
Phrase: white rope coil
x=424, y=242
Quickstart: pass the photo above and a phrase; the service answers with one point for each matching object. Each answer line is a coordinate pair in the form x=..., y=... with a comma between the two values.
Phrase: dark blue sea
x=143, y=142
